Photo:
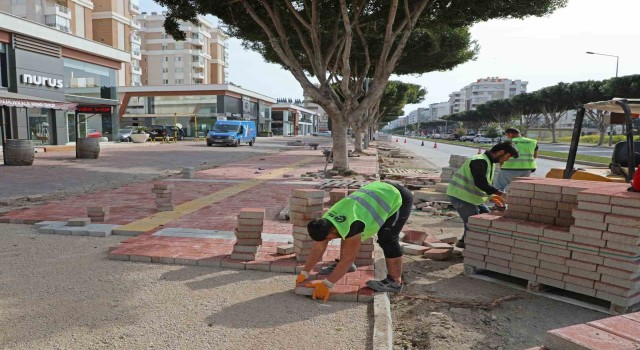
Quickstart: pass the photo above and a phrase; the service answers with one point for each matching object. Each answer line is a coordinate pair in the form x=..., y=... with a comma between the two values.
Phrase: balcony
x=135, y=39
x=136, y=70
x=199, y=40
x=197, y=75
x=57, y=10
x=135, y=24
x=134, y=8
x=135, y=54
x=197, y=63
x=54, y=21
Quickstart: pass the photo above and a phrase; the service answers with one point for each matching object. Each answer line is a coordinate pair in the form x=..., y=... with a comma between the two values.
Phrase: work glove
x=498, y=201
x=302, y=276
x=321, y=289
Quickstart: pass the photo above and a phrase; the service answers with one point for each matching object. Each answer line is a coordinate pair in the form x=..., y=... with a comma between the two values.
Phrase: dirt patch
x=441, y=308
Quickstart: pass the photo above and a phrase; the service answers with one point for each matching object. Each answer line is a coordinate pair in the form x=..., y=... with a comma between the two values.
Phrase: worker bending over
x=523, y=166
x=470, y=186
x=378, y=208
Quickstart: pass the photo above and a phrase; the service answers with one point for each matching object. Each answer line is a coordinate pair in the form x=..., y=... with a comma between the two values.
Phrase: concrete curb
x=382, y=322
x=382, y=330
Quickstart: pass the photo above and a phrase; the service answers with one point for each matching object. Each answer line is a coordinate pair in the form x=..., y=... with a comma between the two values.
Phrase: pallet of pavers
x=619, y=333
x=596, y=252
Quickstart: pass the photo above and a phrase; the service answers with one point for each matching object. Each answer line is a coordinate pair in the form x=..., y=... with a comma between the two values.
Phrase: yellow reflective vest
x=526, y=149
x=462, y=185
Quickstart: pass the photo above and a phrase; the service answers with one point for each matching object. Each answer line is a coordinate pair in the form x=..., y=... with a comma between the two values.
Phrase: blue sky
x=542, y=51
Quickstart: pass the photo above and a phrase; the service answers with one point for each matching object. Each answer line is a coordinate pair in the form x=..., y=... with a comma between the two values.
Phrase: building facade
x=54, y=90
x=196, y=107
x=290, y=119
x=438, y=110
x=484, y=90
x=199, y=59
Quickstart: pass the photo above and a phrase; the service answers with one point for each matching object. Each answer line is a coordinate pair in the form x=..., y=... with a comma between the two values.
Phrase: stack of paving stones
x=336, y=195
x=548, y=201
x=248, y=234
x=598, y=255
x=305, y=205
x=164, y=196
x=98, y=214
x=455, y=162
x=365, y=255
x=619, y=332
x=188, y=172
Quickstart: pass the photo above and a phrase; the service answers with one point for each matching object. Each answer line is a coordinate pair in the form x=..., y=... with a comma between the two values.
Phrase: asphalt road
x=439, y=157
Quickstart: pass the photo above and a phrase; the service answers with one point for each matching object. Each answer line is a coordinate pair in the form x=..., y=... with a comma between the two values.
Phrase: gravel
x=61, y=292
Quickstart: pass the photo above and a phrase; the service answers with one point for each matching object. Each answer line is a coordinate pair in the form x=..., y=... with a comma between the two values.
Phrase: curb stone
x=382, y=325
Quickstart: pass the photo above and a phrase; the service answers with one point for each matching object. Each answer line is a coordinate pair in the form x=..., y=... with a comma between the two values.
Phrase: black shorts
x=389, y=233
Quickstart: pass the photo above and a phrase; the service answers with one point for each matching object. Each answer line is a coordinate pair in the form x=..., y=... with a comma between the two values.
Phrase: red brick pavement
x=133, y=202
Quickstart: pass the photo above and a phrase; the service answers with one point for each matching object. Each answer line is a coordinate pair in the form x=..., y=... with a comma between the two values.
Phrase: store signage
x=38, y=80
x=93, y=109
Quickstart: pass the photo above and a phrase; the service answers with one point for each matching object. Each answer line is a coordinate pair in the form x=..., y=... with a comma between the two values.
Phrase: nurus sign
x=38, y=80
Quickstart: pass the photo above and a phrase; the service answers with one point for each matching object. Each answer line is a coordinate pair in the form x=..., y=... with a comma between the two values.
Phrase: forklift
x=624, y=159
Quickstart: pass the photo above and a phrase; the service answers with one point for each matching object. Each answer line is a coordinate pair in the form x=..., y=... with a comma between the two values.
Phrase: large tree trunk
x=357, y=142
x=552, y=127
x=367, y=137
x=339, y=134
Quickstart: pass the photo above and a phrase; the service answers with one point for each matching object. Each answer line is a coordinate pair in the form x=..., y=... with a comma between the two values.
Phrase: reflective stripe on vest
x=462, y=185
x=373, y=204
x=526, y=149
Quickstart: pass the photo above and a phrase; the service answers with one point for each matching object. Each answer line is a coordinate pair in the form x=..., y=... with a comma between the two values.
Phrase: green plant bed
x=593, y=139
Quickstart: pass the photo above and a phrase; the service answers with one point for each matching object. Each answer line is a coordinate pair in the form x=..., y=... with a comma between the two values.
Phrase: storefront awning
x=11, y=99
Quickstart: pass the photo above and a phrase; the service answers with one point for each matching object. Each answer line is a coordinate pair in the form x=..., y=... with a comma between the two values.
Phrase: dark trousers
x=389, y=233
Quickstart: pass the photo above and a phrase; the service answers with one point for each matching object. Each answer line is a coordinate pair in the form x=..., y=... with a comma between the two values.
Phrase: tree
x=501, y=111
x=492, y=131
x=528, y=108
x=348, y=41
x=582, y=92
x=554, y=103
x=396, y=95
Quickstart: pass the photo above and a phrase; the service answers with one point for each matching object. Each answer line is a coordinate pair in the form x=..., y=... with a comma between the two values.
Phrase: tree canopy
x=345, y=42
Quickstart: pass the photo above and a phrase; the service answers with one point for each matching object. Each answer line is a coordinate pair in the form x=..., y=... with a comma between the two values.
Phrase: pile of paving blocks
x=595, y=253
x=188, y=172
x=98, y=213
x=421, y=243
x=619, y=332
x=164, y=196
x=455, y=162
x=248, y=234
x=304, y=206
x=75, y=227
x=336, y=195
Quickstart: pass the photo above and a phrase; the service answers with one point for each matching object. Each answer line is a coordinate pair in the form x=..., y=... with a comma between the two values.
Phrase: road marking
x=161, y=218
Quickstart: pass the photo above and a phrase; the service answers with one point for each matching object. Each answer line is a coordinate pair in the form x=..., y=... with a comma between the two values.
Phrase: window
x=179, y=46
x=178, y=58
x=165, y=81
x=165, y=70
x=165, y=58
x=179, y=81
x=164, y=47
x=179, y=70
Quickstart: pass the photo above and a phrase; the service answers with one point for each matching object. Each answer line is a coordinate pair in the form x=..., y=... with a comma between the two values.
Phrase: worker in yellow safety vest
x=521, y=167
x=470, y=186
x=379, y=208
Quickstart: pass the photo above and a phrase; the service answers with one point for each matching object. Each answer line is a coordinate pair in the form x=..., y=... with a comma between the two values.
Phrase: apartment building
x=69, y=16
x=438, y=110
x=110, y=22
x=484, y=90
x=199, y=59
x=114, y=24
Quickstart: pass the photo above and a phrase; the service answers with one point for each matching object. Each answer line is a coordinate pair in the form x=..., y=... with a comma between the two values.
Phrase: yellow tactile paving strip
x=161, y=218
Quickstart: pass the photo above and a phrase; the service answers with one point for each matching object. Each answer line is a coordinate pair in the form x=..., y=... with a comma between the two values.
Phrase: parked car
x=93, y=133
x=467, y=137
x=232, y=133
x=436, y=136
x=482, y=139
x=124, y=135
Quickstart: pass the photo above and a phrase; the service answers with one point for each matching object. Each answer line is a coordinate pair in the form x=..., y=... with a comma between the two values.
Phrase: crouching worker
x=378, y=208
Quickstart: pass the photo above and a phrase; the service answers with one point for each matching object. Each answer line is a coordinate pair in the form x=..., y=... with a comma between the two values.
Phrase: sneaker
x=385, y=285
x=327, y=270
x=460, y=244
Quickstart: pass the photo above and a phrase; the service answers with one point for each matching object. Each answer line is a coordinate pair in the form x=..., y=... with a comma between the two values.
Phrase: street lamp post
x=617, y=62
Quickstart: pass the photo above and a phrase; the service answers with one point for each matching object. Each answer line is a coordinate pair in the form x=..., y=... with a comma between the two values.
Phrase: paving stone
x=52, y=227
x=183, y=261
x=438, y=254
x=586, y=337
